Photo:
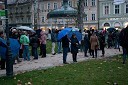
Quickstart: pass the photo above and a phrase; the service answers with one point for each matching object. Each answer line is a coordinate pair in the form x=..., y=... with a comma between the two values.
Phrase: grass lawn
x=91, y=72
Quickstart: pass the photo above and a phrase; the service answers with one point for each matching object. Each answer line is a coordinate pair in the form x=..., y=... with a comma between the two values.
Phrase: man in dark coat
x=3, y=59
x=102, y=43
x=65, y=45
x=86, y=44
x=123, y=39
x=74, y=47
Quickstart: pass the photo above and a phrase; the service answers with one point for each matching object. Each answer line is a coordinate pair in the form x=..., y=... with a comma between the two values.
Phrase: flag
x=116, y=2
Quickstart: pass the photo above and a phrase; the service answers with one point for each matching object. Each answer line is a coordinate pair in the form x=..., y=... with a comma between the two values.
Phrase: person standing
x=34, y=43
x=86, y=44
x=24, y=40
x=3, y=47
x=65, y=46
x=53, y=39
x=123, y=39
x=15, y=35
x=102, y=43
x=74, y=47
x=43, y=39
x=94, y=44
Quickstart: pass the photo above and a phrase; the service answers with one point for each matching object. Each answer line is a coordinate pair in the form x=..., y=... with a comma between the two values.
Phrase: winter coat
x=86, y=41
x=123, y=38
x=94, y=42
x=34, y=41
x=43, y=37
x=74, y=45
x=65, y=41
x=53, y=37
x=102, y=41
x=24, y=40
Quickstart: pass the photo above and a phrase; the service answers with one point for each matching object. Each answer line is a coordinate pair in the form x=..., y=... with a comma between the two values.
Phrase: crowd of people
x=92, y=41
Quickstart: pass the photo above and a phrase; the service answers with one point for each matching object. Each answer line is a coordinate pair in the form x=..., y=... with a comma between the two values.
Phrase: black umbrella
x=111, y=29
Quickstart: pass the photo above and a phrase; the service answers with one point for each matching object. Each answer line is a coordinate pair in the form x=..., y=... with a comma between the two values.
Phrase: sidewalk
x=54, y=60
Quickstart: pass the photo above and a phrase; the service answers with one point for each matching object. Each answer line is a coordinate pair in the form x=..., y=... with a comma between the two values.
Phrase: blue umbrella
x=77, y=33
x=63, y=32
x=14, y=46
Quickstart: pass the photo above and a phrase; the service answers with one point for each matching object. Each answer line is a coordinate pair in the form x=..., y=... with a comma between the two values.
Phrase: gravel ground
x=54, y=60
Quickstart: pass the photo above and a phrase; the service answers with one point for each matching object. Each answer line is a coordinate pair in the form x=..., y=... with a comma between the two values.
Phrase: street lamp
x=9, y=63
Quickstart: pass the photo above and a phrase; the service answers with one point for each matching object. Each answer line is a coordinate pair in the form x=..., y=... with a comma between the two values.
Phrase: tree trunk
x=80, y=14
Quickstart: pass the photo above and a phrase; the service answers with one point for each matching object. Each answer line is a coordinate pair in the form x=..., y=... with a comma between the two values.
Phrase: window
x=116, y=9
x=86, y=18
x=93, y=16
x=93, y=2
x=70, y=3
x=126, y=8
x=106, y=9
x=55, y=5
x=86, y=3
x=42, y=19
x=48, y=7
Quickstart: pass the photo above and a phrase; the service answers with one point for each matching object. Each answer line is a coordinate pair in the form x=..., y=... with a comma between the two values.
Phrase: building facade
x=20, y=13
x=26, y=12
x=113, y=15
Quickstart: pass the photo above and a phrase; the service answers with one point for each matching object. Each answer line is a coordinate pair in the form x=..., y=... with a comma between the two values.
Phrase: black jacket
x=65, y=41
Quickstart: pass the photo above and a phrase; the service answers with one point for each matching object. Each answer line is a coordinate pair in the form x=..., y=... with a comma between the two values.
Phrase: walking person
x=123, y=39
x=74, y=47
x=86, y=44
x=24, y=40
x=43, y=39
x=65, y=46
x=94, y=44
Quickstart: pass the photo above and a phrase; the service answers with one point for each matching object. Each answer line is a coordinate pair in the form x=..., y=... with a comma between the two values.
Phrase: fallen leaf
x=108, y=82
x=14, y=77
x=29, y=83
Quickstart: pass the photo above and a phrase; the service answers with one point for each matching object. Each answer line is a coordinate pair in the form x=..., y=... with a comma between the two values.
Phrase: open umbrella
x=25, y=28
x=77, y=33
x=63, y=32
x=111, y=29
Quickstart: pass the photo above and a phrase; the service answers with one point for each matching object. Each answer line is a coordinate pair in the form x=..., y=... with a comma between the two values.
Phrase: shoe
x=86, y=55
x=74, y=61
x=53, y=53
x=123, y=62
x=65, y=63
x=35, y=58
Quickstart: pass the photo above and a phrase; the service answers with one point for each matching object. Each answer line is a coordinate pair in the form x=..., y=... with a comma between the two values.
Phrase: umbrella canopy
x=70, y=32
x=77, y=33
x=25, y=28
x=63, y=32
x=111, y=29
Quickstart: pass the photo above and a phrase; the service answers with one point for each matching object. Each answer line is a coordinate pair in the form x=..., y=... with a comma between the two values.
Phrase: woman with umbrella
x=74, y=47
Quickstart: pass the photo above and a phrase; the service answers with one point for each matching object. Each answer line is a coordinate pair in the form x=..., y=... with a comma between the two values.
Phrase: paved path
x=54, y=60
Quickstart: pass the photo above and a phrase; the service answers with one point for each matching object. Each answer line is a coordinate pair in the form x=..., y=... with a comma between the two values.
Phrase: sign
x=2, y=13
x=116, y=2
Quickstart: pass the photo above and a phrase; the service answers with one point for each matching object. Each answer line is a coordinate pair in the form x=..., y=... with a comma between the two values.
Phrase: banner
x=116, y=2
